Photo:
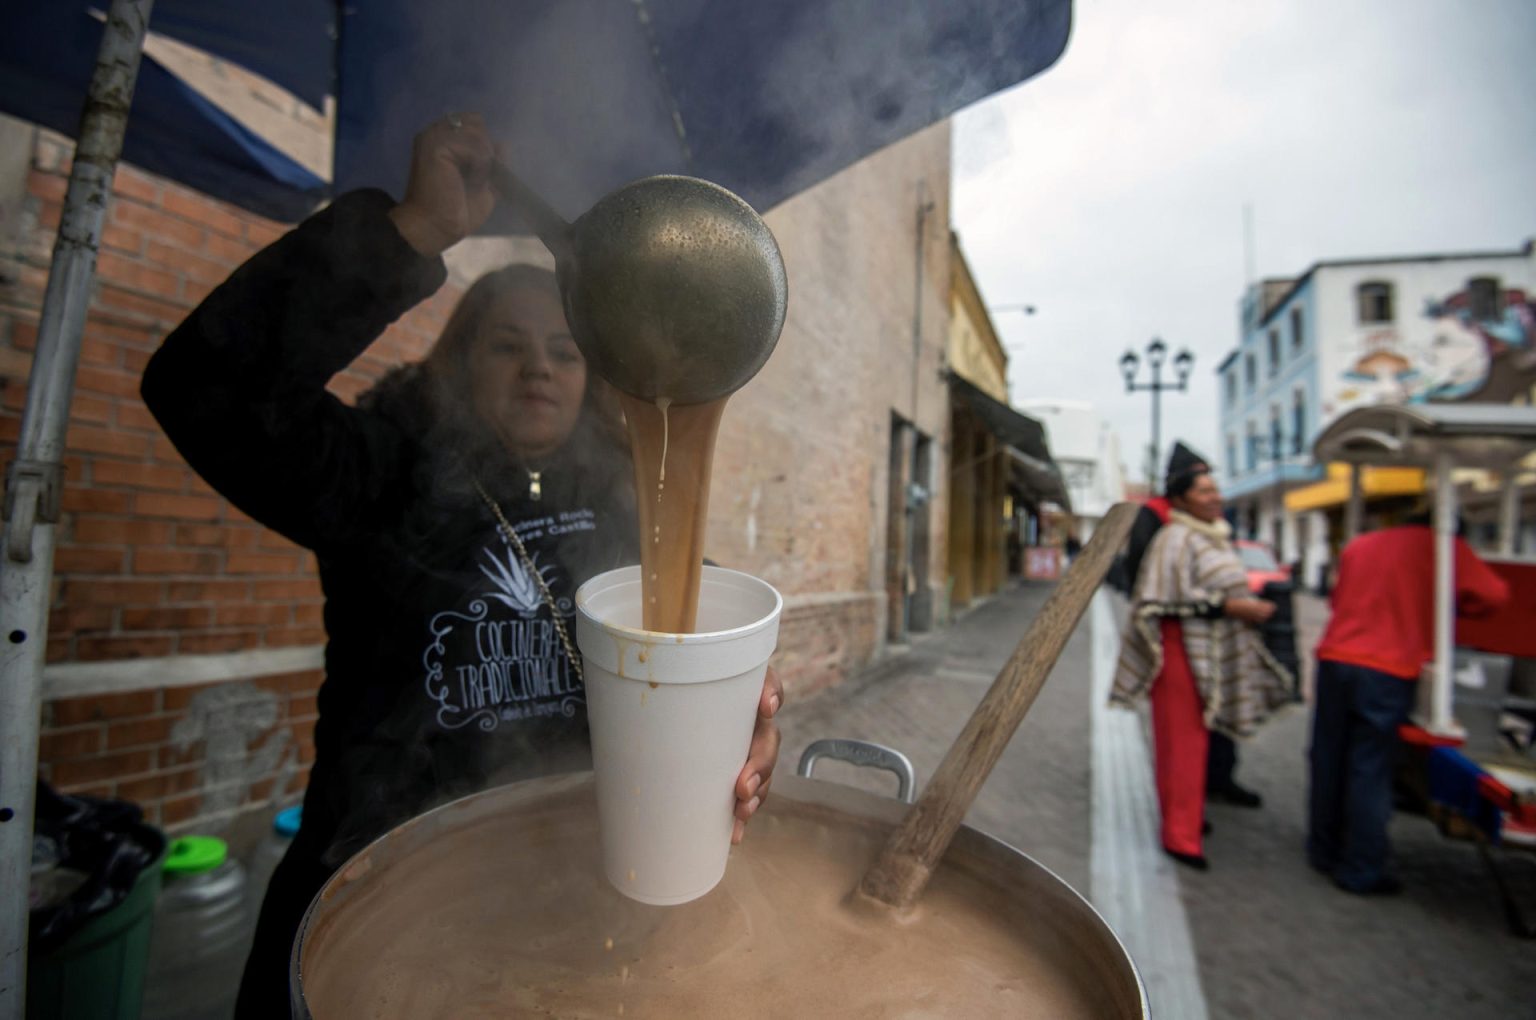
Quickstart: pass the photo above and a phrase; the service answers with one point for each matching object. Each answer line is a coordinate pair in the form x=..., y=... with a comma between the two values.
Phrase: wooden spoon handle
x=902, y=870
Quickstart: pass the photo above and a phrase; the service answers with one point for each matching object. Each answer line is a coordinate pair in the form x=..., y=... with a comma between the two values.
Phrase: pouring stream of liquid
x=672, y=516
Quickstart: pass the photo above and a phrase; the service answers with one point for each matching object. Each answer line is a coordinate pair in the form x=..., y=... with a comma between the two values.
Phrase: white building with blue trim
x=1351, y=332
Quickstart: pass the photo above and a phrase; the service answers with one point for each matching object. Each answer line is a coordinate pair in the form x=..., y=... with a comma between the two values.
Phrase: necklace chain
x=528, y=564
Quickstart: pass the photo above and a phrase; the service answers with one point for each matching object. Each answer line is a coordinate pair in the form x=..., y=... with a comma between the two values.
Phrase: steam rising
x=765, y=99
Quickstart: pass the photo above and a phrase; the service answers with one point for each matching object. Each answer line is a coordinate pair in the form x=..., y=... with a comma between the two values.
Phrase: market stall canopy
x=1029, y=454
x=766, y=99
x=1475, y=435
x=1041, y=479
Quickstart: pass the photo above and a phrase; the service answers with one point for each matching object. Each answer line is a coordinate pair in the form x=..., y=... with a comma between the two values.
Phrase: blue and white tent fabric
x=766, y=99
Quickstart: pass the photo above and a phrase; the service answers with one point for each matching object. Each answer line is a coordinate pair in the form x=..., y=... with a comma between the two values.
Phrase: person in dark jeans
x=1220, y=764
x=1377, y=640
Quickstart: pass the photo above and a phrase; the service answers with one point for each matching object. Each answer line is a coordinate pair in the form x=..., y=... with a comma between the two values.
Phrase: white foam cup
x=671, y=717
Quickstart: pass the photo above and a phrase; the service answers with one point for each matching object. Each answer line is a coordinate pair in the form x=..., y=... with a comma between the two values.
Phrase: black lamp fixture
x=1183, y=363
x=1157, y=355
x=1129, y=362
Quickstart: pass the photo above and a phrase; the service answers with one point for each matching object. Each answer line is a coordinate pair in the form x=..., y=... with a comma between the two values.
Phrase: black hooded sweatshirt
x=444, y=671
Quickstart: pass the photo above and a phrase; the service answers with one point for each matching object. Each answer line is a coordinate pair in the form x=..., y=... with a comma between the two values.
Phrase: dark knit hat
x=1184, y=465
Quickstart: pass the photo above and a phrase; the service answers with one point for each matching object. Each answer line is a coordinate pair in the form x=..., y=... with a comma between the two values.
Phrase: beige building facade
x=978, y=469
x=997, y=457
x=829, y=479
x=973, y=350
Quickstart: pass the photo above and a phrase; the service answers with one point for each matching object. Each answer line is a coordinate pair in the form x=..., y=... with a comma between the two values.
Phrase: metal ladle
x=673, y=287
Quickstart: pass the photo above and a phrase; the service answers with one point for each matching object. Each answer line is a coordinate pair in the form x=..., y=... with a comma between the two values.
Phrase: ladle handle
x=902, y=870
x=551, y=227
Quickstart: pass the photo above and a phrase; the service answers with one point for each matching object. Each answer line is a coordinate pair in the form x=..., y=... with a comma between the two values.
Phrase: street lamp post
x=1157, y=353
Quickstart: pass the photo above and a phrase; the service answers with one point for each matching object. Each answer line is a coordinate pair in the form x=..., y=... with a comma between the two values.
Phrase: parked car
x=1259, y=560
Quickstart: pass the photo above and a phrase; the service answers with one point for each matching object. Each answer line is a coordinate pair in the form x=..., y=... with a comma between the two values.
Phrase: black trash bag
x=105, y=840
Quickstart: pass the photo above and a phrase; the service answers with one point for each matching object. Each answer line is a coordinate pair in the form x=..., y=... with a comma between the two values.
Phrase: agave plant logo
x=515, y=586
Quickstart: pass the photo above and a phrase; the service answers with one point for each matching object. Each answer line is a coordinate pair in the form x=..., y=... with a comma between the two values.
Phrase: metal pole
x=1157, y=423
x=924, y=207
x=1440, y=719
x=35, y=482
x=1509, y=512
x=1354, y=509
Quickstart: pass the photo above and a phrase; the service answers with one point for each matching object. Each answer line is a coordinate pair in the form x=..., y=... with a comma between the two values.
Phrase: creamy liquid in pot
x=673, y=448
x=509, y=916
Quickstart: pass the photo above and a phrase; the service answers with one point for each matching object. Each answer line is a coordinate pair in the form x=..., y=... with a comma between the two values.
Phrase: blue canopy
x=764, y=98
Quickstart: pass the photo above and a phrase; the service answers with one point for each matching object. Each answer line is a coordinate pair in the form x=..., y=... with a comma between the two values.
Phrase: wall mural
x=1467, y=353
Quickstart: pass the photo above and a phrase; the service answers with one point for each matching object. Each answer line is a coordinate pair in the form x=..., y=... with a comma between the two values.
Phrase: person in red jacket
x=1379, y=637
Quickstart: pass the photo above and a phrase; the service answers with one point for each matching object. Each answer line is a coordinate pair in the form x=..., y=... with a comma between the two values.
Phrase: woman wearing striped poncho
x=1193, y=647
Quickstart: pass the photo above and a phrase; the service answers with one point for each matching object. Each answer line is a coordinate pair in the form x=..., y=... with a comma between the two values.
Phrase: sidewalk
x=1271, y=937
x=1037, y=797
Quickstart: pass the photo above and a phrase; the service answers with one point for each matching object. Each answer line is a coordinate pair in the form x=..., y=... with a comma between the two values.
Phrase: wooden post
x=985, y=526
x=962, y=512
x=999, y=533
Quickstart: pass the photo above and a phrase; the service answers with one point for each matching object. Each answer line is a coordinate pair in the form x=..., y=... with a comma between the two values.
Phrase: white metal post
x=35, y=482
x=1440, y=718
x=1509, y=511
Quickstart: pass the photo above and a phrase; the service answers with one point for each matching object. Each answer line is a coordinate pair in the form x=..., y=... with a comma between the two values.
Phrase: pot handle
x=866, y=754
x=551, y=227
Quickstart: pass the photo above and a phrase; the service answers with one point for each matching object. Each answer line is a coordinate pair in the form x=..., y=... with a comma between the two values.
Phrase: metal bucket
x=1026, y=893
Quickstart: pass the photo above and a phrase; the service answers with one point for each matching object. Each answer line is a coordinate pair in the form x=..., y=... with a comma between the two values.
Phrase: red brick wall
x=124, y=745
x=150, y=561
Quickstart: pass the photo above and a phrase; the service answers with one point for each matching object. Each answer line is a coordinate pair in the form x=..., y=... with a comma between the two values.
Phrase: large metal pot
x=1027, y=895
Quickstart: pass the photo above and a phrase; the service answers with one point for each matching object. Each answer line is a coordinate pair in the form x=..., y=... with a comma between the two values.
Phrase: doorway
x=896, y=531
x=908, y=545
x=920, y=516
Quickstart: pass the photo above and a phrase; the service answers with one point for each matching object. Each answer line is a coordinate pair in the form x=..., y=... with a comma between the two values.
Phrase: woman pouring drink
x=452, y=513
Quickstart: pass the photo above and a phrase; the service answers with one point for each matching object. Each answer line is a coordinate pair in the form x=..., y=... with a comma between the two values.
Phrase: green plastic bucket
x=98, y=972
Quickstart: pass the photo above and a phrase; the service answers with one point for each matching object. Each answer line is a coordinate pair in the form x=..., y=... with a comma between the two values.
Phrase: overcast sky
x=1109, y=191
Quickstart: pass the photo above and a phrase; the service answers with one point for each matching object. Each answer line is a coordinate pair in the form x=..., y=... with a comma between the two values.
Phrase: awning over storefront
x=1375, y=483
x=1474, y=435
x=1029, y=453
x=1041, y=479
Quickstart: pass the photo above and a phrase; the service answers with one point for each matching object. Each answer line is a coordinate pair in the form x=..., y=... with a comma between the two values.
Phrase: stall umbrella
x=741, y=94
